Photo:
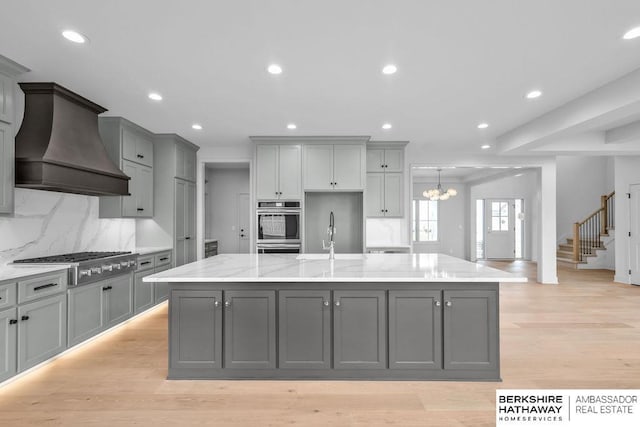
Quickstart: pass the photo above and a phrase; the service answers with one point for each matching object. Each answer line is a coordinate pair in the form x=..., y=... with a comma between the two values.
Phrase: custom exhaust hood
x=58, y=147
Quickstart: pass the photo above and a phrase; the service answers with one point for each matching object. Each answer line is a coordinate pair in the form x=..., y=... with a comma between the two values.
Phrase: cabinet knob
x=140, y=156
x=437, y=303
x=13, y=321
x=216, y=303
x=337, y=303
x=227, y=303
x=326, y=303
x=25, y=318
x=448, y=304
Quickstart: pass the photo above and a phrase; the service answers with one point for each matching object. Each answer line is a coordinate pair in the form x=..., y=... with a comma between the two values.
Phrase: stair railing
x=586, y=234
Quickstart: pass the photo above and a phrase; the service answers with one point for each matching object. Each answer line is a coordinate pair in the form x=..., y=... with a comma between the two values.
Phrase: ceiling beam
x=622, y=134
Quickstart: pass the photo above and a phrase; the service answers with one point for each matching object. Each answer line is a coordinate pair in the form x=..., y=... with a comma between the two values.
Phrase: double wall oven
x=278, y=227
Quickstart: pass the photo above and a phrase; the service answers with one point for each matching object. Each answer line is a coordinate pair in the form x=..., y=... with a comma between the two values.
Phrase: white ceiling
x=460, y=62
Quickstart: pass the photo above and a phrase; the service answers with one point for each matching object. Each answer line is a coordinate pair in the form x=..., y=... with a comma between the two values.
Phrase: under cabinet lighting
x=74, y=36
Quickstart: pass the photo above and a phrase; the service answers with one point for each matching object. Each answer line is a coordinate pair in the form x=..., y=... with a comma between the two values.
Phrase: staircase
x=591, y=240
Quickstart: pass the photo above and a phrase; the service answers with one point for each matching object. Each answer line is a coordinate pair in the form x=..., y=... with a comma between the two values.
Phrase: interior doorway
x=227, y=206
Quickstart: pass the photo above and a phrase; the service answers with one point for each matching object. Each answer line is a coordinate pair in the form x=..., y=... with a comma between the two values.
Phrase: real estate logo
x=582, y=408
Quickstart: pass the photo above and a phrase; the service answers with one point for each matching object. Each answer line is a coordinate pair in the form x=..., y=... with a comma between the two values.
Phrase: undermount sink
x=326, y=256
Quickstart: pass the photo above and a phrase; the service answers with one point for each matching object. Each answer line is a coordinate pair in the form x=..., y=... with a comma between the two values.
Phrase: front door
x=243, y=222
x=499, y=226
x=634, y=229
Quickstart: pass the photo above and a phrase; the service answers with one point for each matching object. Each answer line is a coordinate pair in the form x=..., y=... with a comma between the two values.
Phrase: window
x=425, y=221
x=499, y=216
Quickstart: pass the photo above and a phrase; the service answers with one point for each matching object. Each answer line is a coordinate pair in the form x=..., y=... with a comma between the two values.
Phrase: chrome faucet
x=331, y=231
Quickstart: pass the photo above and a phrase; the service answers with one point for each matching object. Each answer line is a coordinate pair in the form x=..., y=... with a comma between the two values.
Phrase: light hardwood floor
x=583, y=333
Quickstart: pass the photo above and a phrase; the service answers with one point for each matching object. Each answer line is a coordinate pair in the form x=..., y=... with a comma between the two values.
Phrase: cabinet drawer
x=38, y=287
x=7, y=295
x=145, y=263
x=162, y=259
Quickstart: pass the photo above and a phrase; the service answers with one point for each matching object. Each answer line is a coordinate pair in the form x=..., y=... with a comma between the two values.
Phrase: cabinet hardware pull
x=337, y=303
x=140, y=209
x=107, y=288
x=437, y=303
x=216, y=303
x=227, y=303
x=140, y=156
x=448, y=304
x=164, y=259
x=25, y=318
x=187, y=238
x=145, y=263
x=13, y=321
x=326, y=303
x=48, y=285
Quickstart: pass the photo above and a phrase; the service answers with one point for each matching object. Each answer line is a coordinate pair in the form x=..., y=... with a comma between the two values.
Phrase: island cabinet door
x=359, y=335
x=470, y=329
x=195, y=329
x=415, y=330
x=250, y=329
x=304, y=329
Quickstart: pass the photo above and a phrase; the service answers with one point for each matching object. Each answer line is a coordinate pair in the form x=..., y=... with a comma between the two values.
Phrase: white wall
x=510, y=187
x=452, y=220
x=581, y=180
x=627, y=172
x=222, y=211
x=50, y=223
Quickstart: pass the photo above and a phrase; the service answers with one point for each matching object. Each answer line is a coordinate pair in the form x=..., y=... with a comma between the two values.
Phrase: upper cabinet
x=8, y=71
x=131, y=148
x=185, y=161
x=385, y=178
x=329, y=167
x=278, y=171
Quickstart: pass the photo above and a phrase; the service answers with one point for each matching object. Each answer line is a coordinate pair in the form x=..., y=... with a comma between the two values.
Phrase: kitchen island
x=360, y=316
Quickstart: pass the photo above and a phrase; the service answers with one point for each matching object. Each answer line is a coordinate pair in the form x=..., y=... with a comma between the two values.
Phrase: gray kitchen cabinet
x=42, y=330
x=250, y=329
x=8, y=295
x=131, y=148
x=415, y=329
x=195, y=323
x=85, y=313
x=6, y=167
x=8, y=336
x=185, y=229
x=278, y=172
x=304, y=329
x=385, y=160
x=185, y=163
x=161, y=289
x=9, y=70
x=143, y=297
x=375, y=195
x=359, y=330
x=118, y=301
x=393, y=194
x=470, y=329
x=328, y=167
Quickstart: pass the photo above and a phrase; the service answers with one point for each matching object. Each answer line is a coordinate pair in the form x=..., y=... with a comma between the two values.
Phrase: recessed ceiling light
x=292, y=126
x=155, y=96
x=485, y=147
x=634, y=33
x=483, y=125
x=196, y=126
x=386, y=126
x=274, y=69
x=74, y=36
x=534, y=94
x=389, y=69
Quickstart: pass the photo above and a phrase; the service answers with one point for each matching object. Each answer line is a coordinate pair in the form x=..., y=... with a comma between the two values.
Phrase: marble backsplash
x=49, y=223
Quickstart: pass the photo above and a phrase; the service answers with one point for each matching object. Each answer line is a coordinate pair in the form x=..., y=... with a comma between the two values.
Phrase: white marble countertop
x=345, y=268
x=13, y=271
x=151, y=250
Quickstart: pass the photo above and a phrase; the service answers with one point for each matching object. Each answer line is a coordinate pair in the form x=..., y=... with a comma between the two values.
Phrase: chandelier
x=438, y=193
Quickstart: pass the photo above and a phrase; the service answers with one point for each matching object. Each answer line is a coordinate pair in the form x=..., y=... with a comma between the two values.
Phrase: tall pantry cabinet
x=175, y=198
